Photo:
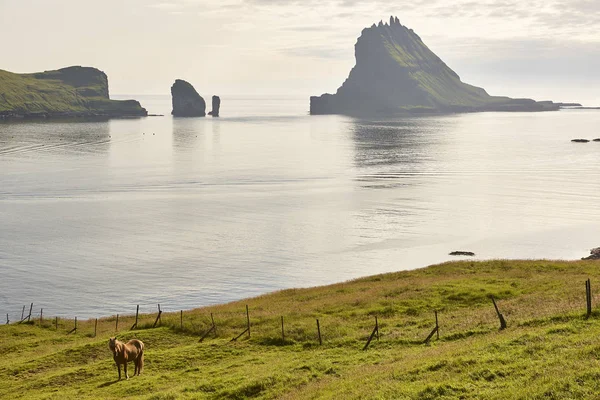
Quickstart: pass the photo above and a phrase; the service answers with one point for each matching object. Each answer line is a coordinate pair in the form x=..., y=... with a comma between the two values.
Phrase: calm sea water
x=97, y=217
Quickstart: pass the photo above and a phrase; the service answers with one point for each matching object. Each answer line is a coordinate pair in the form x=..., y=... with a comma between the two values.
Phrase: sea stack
x=186, y=101
x=216, y=106
x=396, y=72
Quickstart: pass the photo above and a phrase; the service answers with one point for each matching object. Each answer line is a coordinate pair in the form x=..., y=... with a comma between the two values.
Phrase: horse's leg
x=137, y=367
x=125, y=369
x=119, y=369
x=141, y=363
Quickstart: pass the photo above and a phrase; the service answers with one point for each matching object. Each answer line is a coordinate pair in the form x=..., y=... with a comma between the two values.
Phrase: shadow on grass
x=107, y=384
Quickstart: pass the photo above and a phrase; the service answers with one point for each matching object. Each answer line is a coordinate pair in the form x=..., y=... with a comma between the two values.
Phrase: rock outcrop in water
x=186, y=101
x=67, y=92
x=594, y=254
x=396, y=72
x=216, y=106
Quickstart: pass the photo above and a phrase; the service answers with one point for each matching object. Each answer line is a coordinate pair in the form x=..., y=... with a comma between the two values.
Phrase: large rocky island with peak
x=396, y=72
x=65, y=93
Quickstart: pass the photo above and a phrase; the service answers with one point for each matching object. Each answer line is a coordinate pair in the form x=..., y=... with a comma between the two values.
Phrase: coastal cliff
x=396, y=72
x=68, y=92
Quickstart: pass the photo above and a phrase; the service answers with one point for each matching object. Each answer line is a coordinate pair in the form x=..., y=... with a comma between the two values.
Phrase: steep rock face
x=396, y=72
x=216, y=106
x=68, y=92
x=186, y=101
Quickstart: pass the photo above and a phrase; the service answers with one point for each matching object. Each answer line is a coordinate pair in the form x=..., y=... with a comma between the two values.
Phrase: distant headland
x=396, y=72
x=70, y=92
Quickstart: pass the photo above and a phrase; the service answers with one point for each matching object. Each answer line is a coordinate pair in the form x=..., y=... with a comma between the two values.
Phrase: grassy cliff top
x=549, y=349
x=76, y=90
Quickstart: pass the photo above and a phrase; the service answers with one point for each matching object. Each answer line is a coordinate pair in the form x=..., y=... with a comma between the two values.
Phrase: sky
x=543, y=49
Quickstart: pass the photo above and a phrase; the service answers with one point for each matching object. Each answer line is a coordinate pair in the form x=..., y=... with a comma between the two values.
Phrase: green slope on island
x=395, y=71
x=72, y=91
x=549, y=350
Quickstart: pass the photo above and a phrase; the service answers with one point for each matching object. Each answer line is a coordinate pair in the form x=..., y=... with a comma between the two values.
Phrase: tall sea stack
x=186, y=101
x=396, y=72
x=216, y=106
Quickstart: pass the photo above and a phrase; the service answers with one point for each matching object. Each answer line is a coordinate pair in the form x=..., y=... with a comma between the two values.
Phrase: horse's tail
x=141, y=357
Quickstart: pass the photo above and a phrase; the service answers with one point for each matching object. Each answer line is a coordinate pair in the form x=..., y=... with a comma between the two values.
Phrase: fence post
x=181, y=320
x=117, y=324
x=56, y=323
x=248, y=319
x=41, y=315
x=157, y=317
x=23, y=314
x=95, y=327
x=7, y=320
x=30, y=311
x=500, y=316
x=137, y=312
x=319, y=332
x=588, y=297
x=282, y=331
x=74, y=329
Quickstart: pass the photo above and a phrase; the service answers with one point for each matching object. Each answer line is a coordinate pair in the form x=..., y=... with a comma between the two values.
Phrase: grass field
x=549, y=350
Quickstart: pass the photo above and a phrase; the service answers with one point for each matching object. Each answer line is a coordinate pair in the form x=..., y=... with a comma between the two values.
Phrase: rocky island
x=396, y=72
x=186, y=101
x=65, y=93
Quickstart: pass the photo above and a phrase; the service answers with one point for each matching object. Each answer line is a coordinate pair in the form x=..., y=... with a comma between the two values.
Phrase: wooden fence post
x=7, y=320
x=282, y=331
x=30, y=311
x=588, y=298
x=375, y=332
x=500, y=316
x=181, y=320
x=137, y=312
x=319, y=332
x=117, y=324
x=157, y=317
x=74, y=329
x=41, y=315
x=56, y=323
x=95, y=327
x=248, y=319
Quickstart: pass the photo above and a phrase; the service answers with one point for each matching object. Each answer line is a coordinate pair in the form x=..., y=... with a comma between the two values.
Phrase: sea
x=98, y=217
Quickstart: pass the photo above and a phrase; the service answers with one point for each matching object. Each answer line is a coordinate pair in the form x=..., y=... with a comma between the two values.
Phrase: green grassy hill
x=548, y=351
x=72, y=91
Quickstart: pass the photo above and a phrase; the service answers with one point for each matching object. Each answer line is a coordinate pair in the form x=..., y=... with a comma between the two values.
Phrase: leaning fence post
x=375, y=332
x=157, y=317
x=248, y=319
x=500, y=316
x=137, y=312
x=319, y=332
x=74, y=329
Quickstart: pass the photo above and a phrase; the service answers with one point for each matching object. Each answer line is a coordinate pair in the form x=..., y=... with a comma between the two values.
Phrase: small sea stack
x=597, y=140
x=216, y=106
x=594, y=254
x=580, y=141
x=186, y=101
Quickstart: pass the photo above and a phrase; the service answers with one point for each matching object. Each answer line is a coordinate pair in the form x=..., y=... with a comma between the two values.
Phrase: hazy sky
x=545, y=49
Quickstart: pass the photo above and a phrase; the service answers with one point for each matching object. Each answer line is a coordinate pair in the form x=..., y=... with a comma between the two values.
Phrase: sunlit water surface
x=97, y=217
